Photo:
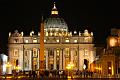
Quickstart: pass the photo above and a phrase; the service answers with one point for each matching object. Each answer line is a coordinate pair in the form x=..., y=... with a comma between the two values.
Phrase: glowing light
x=46, y=33
x=79, y=33
x=17, y=67
x=98, y=68
x=70, y=66
x=54, y=6
x=35, y=40
x=84, y=66
x=113, y=42
x=9, y=34
x=109, y=68
x=75, y=41
x=51, y=33
x=31, y=33
x=75, y=32
x=91, y=33
x=67, y=40
x=54, y=10
x=44, y=40
x=86, y=33
x=8, y=64
x=26, y=41
x=57, y=40
x=70, y=33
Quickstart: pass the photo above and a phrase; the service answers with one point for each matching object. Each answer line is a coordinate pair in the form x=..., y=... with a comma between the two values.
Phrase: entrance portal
x=86, y=62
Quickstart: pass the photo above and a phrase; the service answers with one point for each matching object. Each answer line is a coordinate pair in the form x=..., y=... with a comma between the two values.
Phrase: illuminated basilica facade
x=60, y=47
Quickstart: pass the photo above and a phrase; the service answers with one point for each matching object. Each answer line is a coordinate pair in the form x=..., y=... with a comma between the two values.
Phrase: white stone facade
x=61, y=47
x=73, y=49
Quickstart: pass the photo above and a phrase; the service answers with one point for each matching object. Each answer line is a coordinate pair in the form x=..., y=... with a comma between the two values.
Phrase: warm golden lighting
x=46, y=34
x=109, y=67
x=97, y=68
x=51, y=33
x=69, y=66
x=67, y=40
x=75, y=41
x=44, y=40
x=57, y=40
x=54, y=10
x=26, y=41
x=17, y=67
x=112, y=42
x=86, y=33
x=84, y=66
x=75, y=32
x=8, y=65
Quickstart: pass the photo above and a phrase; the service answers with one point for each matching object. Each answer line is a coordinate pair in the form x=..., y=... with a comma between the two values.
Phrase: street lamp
x=69, y=67
x=8, y=68
x=17, y=68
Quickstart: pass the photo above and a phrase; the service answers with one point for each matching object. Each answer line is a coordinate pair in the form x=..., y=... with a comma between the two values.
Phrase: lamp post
x=17, y=68
x=69, y=67
x=8, y=68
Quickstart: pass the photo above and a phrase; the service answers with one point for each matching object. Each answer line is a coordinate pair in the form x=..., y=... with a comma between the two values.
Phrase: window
x=34, y=41
x=54, y=12
x=75, y=52
x=26, y=53
x=57, y=40
x=67, y=40
x=57, y=52
x=15, y=52
x=44, y=40
x=26, y=64
x=15, y=40
x=34, y=52
x=26, y=41
x=67, y=52
x=85, y=52
x=75, y=41
x=50, y=52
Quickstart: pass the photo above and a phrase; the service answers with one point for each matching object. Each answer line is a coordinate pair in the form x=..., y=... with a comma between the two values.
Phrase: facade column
x=81, y=59
x=38, y=64
x=61, y=60
x=54, y=59
x=46, y=59
x=30, y=59
x=71, y=55
x=20, y=58
x=78, y=63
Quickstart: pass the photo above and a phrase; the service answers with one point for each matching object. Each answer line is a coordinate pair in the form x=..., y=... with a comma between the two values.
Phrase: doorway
x=86, y=63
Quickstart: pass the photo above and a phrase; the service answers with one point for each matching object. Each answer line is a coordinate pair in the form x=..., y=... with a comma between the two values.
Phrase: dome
x=54, y=22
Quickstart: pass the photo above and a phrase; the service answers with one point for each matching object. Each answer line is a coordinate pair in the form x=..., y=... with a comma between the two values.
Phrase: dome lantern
x=54, y=10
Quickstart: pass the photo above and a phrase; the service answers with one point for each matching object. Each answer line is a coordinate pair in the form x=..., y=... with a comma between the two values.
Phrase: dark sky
x=95, y=15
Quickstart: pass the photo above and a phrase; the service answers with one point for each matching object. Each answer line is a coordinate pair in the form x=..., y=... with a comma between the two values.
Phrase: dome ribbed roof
x=56, y=23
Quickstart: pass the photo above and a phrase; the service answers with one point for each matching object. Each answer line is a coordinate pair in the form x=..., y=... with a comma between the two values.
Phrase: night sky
x=24, y=15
